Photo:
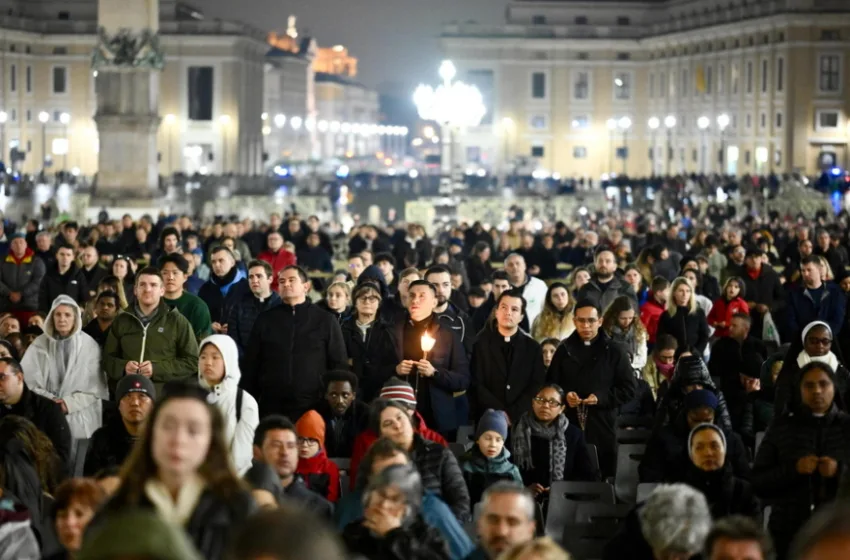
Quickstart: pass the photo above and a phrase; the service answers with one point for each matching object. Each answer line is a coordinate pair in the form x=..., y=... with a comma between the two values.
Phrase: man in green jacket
x=150, y=339
x=175, y=271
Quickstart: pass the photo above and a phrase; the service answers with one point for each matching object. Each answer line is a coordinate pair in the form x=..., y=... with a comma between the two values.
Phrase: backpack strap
x=239, y=392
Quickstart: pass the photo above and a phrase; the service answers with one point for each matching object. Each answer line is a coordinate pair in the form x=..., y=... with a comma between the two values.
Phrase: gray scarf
x=529, y=426
x=626, y=338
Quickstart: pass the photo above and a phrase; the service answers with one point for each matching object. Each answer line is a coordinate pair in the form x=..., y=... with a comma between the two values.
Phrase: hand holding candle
x=424, y=367
x=427, y=344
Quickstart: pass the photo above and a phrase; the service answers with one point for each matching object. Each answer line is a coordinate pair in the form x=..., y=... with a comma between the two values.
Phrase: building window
x=200, y=93
x=830, y=35
x=763, y=120
x=747, y=157
x=622, y=20
x=64, y=16
x=685, y=78
x=622, y=86
x=13, y=78
x=581, y=86
x=827, y=119
x=735, y=77
x=538, y=20
x=14, y=115
x=764, y=75
x=830, y=73
x=29, y=79
x=60, y=80
x=651, y=85
x=583, y=56
x=662, y=85
x=581, y=122
x=12, y=48
x=750, y=76
x=538, y=85
x=537, y=151
x=749, y=121
x=709, y=80
x=579, y=152
x=780, y=75
x=778, y=120
x=721, y=79
x=581, y=20
x=60, y=50
x=538, y=122
x=624, y=56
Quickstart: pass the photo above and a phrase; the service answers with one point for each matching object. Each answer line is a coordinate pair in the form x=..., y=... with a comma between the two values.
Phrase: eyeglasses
x=821, y=341
x=369, y=299
x=547, y=402
x=307, y=441
x=586, y=321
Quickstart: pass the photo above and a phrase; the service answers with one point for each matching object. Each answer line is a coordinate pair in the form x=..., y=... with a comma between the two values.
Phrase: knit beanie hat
x=701, y=427
x=492, y=421
x=701, y=398
x=400, y=391
x=311, y=426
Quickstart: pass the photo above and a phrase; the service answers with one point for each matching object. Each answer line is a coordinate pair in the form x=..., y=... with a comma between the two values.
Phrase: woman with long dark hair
x=180, y=468
x=478, y=266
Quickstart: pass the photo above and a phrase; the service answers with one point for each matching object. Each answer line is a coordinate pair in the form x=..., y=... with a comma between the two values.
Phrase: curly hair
x=619, y=305
x=551, y=322
x=37, y=445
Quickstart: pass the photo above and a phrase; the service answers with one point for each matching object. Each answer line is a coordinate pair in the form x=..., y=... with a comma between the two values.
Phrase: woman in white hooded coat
x=218, y=372
x=63, y=364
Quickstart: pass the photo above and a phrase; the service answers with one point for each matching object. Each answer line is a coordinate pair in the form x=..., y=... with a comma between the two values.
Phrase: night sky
x=395, y=40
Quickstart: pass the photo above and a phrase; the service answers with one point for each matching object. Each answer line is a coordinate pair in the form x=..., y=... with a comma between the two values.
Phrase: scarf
x=175, y=512
x=625, y=337
x=529, y=426
x=829, y=359
x=665, y=369
x=753, y=274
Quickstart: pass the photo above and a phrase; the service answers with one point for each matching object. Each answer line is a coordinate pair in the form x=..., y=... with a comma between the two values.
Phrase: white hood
x=50, y=330
x=229, y=353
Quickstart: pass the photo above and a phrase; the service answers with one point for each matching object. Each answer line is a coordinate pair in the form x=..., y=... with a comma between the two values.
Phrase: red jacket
x=722, y=311
x=367, y=437
x=321, y=475
x=650, y=313
x=279, y=260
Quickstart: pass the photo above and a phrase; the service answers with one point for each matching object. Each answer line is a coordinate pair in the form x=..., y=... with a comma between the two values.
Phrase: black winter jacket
x=605, y=371
x=220, y=306
x=787, y=396
x=441, y=474
x=240, y=317
x=72, y=284
x=726, y=493
x=629, y=541
x=671, y=403
x=415, y=541
x=502, y=386
x=109, y=447
x=373, y=360
x=689, y=329
x=794, y=496
x=301, y=496
x=47, y=417
x=340, y=432
x=289, y=351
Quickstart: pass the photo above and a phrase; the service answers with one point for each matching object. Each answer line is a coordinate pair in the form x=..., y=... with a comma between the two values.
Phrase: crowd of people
x=224, y=387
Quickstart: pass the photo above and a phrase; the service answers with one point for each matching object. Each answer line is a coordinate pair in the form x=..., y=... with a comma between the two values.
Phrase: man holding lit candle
x=447, y=313
x=432, y=359
x=597, y=375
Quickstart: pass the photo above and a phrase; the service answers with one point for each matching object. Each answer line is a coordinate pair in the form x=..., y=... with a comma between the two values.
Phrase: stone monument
x=128, y=60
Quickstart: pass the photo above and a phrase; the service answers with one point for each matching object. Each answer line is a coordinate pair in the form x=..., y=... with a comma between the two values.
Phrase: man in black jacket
x=91, y=269
x=764, y=290
x=276, y=444
x=226, y=286
x=291, y=348
x=345, y=416
x=507, y=364
x=16, y=398
x=111, y=443
x=605, y=286
x=480, y=319
x=597, y=376
x=64, y=278
x=260, y=297
x=441, y=372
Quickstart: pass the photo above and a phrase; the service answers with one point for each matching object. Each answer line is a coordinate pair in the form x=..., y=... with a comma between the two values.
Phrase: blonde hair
x=828, y=274
x=551, y=323
x=344, y=286
x=543, y=548
x=671, y=301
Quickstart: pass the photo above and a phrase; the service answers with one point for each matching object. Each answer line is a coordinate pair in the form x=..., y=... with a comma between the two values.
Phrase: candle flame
x=427, y=342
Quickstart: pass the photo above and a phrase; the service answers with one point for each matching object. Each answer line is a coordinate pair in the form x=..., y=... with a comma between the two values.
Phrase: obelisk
x=128, y=60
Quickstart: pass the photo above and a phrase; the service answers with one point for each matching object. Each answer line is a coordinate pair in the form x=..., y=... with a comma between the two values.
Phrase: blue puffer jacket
x=435, y=512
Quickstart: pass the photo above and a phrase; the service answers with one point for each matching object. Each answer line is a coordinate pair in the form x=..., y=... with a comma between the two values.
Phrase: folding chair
x=594, y=456
x=633, y=435
x=595, y=513
x=645, y=490
x=81, y=447
x=342, y=463
x=633, y=421
x=564, y=497
x=586, y=541
x=626, y=480
x=458, y=449
x=759, y=439
x=465, y=434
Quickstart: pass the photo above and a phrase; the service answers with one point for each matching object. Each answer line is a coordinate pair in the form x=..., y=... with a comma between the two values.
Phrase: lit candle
x=427, y=344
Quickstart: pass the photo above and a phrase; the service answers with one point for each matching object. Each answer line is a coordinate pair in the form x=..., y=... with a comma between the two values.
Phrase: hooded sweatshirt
x=239, y=433
x=68, y=368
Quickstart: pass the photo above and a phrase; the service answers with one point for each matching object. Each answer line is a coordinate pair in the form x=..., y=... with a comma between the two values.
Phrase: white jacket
x=534, y=293
x=84, y=384
x=239, y=435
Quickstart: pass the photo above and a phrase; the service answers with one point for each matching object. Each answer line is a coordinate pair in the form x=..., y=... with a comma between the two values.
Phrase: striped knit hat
x=400, y=391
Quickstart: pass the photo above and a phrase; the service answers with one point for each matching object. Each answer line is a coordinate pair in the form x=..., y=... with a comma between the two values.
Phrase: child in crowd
x=320, y=474
x=488, y=461
x=731, y=302
x=549, y=346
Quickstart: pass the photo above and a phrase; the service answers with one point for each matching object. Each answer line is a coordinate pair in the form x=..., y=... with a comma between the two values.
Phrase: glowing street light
x=669, y=124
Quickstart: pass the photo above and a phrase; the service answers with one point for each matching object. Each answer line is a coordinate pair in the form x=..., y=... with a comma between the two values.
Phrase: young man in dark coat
x=438, y=373
x=291, y=348
x=63, y=278
x=764, y=291
x=344, y=415
x=597, y=376
x=507, y=365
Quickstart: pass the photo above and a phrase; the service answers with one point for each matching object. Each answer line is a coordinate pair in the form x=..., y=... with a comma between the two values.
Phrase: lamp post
x=43, y=117
x=507, y=125
x=453, y=104
x=722, y=123
x=65, y=119
x=702, y=123
x=654, y=123
x=669, y=124
x=625, y=123
x=612, y=126
x=169, y=123
x=224, y=120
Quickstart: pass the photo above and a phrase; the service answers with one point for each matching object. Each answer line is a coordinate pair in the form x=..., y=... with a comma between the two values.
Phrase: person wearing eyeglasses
x=817, y=346
x=371, y=353
x=320, y=474
x=547, y=446
x=597, y=375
